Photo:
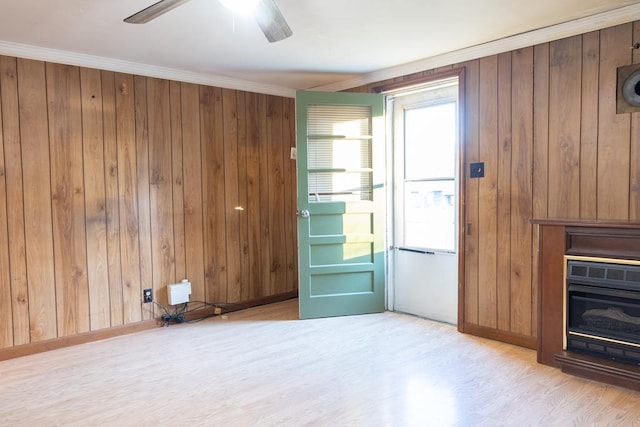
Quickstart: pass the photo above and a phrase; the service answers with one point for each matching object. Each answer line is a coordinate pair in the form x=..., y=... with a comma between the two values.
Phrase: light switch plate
x=476, y=170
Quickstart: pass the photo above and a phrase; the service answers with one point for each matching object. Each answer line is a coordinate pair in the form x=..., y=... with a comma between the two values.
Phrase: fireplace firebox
x=602, y=308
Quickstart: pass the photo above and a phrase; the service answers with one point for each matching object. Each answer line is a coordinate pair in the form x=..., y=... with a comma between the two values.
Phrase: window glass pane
x=430, y=214
x=339, y=158
x=338, y=154
x=340, y=186
x=345, y=120
x=430, y=141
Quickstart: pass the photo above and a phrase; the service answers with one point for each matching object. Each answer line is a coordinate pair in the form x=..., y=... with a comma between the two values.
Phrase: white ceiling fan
x=266, y=13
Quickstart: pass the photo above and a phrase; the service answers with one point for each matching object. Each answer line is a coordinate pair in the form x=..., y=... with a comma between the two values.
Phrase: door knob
x=303, y=213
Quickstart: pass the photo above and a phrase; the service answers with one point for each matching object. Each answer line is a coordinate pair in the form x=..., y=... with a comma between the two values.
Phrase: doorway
x=424, y=130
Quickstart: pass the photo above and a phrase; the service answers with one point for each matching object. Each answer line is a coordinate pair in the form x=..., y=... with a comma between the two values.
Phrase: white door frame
x=408, y=87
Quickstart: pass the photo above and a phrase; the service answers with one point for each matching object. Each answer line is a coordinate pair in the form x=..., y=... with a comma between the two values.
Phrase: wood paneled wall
x=112, y=183
x=543, y=119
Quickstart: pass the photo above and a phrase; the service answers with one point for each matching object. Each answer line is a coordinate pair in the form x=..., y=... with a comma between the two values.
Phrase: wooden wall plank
x=241, y=112
x=541, y=131
x=34, y=135
x=522, y=295
x=207, y=131
x=613, y=129
x=177, y=172
x=6, y=315
x=193, y=191
x=231, y=216
x=67, y=186
x=564, y=127
x=133, y=296
x=95, y=198
x=267, y=286
x=276, y=200
x=254, y=196
x=487, y=221
x=471, y=147
x=160, y=180
x=589, y=126
x=540, y=158
x=503, y=265
x=15, y=199
x=211, y=118
x=112, y=199
x=220, y=290
x=290, y=200
x=128, y=198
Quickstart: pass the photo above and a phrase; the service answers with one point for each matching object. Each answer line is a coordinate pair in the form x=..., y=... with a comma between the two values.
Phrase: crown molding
x=116, y=65
x=555, y=32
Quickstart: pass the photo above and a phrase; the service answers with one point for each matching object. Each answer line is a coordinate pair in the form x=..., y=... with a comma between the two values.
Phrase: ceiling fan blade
x=271, y=21
x=153, y=11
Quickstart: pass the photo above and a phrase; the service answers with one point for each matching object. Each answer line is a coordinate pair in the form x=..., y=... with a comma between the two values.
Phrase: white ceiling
x=333, y=42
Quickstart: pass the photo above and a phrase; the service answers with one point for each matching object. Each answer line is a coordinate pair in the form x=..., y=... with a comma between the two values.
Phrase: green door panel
x=340, y=158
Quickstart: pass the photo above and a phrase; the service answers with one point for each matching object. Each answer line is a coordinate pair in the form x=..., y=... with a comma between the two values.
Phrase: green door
x=341, y=203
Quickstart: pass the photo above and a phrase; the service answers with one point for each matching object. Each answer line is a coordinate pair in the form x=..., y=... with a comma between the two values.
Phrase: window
x=339, y=159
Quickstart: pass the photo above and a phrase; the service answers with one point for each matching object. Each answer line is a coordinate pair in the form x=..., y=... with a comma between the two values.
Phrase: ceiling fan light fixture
x=265, y=12
x=241, y=7
x=271, y=21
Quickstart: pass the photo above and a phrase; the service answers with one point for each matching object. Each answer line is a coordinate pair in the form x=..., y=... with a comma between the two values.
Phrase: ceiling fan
x=266, y=13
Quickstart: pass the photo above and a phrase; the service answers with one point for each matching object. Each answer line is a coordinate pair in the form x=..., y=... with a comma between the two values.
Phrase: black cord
x=179, y=312
x=166, y=314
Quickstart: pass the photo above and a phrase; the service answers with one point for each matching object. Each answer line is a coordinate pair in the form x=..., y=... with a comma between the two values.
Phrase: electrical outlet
x=217, y=310
x=147, y=295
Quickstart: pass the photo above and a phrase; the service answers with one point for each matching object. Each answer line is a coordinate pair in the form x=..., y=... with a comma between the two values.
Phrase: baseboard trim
x=493, y=334
x=597, y=369
x=228, y=308
x=57, y=343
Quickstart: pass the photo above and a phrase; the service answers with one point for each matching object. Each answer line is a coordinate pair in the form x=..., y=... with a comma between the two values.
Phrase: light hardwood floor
x=263, y=367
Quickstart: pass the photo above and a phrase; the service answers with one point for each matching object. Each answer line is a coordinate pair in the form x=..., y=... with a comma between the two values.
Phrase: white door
x=424, y=259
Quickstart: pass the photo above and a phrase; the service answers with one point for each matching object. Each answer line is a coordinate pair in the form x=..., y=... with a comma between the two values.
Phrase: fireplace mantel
x=588, y=223
x=560, y=237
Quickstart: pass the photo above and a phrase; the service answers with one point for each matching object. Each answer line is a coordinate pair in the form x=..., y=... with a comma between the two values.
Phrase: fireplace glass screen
x=603, y=309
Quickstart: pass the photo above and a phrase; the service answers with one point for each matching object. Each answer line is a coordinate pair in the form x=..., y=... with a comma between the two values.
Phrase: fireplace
x=596, y=337
x=602, y=308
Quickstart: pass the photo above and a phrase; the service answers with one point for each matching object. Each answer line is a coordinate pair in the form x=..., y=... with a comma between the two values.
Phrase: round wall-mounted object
x=631, y=89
